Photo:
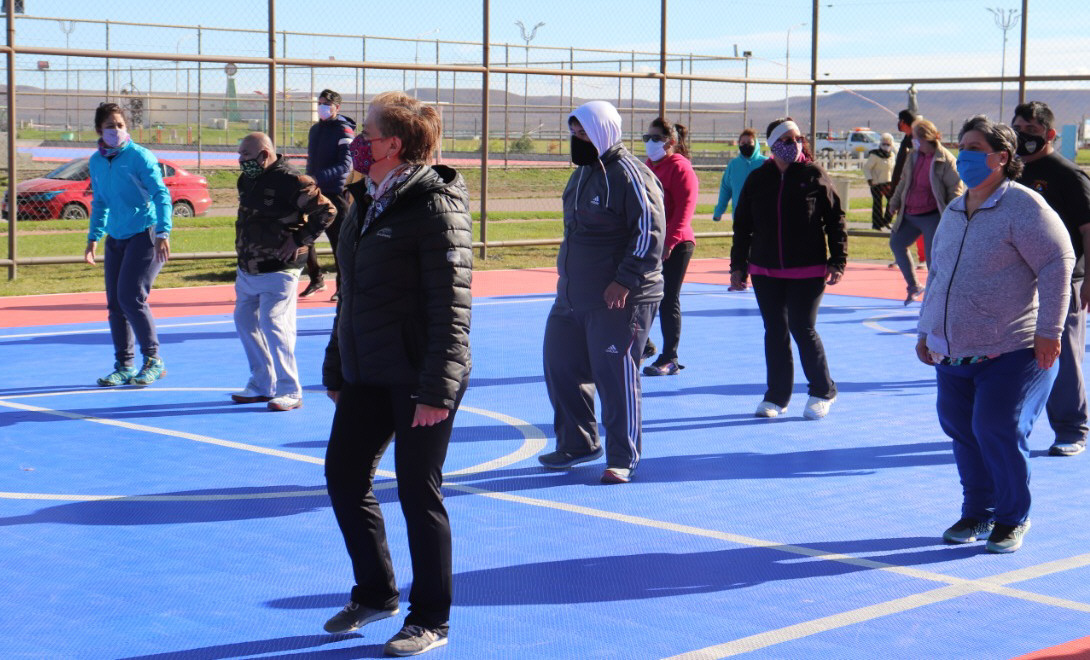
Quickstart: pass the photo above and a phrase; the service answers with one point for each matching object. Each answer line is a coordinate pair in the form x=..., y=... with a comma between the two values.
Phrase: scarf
x=384, y=193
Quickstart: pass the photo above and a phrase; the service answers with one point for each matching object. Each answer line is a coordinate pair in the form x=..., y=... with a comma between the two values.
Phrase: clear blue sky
x=859, y=38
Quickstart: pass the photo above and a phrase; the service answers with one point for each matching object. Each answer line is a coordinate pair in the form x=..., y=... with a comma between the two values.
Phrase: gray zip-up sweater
x=998, y=278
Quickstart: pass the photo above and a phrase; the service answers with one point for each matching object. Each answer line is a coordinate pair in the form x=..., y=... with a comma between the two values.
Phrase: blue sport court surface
x=167, y=522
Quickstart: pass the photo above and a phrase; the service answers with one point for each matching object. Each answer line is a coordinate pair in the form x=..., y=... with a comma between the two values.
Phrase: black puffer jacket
x=786, y=220
x=404, y=311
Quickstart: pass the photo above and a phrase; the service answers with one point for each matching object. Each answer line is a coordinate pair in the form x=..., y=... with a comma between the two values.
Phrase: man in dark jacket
x=280, y=214
x=329, y=163
x=1066, y=188
x=609, y=288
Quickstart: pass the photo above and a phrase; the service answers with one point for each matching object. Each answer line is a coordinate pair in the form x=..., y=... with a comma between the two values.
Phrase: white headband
x=778, y=132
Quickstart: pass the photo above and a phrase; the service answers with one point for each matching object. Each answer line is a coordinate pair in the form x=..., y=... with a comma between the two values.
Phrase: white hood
x=602, y=123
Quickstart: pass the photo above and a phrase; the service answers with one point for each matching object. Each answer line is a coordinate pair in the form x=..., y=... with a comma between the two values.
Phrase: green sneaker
x=152, y=371
x=1006, y=538
x=120, y=376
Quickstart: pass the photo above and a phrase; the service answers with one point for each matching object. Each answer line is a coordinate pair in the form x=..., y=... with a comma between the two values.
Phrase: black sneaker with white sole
x=967, y=530
x=354, y=616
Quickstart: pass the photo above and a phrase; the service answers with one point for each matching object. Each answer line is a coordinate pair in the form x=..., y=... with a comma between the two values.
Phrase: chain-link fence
x=195, y=86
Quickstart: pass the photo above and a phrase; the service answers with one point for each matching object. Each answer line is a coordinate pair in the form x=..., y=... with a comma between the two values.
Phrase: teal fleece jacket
x=128, y=194
x=737, y=171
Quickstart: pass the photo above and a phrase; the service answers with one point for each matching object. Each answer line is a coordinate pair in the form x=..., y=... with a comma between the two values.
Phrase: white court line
x=533, y=438
x=873, y=324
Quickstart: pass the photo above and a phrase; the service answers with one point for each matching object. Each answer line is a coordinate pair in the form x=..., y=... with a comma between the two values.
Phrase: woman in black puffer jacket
x=398, y=363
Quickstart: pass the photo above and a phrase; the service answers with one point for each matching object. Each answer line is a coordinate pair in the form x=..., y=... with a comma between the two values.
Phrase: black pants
x=880, y=192
x=673, y=275
x=367, y=418
x=791, y=306
x=314, y=271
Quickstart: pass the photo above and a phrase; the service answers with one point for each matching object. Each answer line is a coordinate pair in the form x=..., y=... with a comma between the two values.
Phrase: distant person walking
x=131, y=206
x=609, y=287
x=790, y=236
x=738, y=169
x=930, y=182
x=280, y=214
x=667, y=148
x=878, y=171
x=991, y=325
x=1066, y=188
x=329, y=164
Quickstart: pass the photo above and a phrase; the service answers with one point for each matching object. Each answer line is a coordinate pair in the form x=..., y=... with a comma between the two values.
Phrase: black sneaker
x=1067, y=448
x=354, y=616
x=314, y=287
x=414, y=640
x=562, y=460
x=967, y=530
x=1006, y=538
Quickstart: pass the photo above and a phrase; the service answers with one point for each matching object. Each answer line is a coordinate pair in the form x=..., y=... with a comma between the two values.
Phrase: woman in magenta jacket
x=667, y=148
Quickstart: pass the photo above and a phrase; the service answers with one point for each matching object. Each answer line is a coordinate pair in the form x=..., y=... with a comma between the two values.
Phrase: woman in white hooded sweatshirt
x=608, y=290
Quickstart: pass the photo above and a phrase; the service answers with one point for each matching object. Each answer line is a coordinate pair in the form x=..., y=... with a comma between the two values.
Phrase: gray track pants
x=599, y=351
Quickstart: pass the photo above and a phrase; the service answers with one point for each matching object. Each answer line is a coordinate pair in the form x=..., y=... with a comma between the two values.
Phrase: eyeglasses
x=654, y=137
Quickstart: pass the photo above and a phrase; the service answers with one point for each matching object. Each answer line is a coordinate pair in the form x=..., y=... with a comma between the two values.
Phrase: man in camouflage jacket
x=280, y=213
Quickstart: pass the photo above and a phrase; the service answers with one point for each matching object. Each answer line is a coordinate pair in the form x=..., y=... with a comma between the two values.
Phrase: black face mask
x=583, y=152
x=1029, y=144
x=746, y=149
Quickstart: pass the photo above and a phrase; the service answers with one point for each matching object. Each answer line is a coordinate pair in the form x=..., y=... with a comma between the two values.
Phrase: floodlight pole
x=1004, y=20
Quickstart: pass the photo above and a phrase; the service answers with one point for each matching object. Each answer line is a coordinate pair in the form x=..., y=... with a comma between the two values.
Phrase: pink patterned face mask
x=362, y=158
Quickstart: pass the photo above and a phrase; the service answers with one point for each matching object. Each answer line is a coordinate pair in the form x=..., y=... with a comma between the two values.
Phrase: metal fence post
x=200, y=94
x=271, y=128
x=486, y=62
x=13, y=199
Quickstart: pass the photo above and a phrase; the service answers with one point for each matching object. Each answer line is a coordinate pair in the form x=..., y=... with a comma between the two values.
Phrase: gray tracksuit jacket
x=998, y=278
x=614, y=225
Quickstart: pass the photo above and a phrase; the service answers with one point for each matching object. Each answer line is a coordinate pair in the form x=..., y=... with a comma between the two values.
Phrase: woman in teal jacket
x=131, y=207
x=738, y=169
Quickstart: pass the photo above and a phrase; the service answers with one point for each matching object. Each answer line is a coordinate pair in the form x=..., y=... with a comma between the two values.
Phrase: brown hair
x=930, y=131
x=406, y=118
x=106, y=110
x=750, y=132
x=676, y=132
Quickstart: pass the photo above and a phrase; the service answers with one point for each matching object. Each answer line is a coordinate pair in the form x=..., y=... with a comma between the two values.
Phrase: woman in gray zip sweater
x=996, y=302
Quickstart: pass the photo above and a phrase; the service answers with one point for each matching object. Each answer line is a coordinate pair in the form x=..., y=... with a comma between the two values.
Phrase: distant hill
x=836, y=111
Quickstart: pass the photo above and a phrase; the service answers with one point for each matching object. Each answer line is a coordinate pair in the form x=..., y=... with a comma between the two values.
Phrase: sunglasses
x=654, y=137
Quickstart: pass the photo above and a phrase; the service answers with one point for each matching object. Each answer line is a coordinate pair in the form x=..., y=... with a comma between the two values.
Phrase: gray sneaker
x=414, y=640
x=1006, y=538
x=354, y=616
x=967, y=530
x=1067, y=448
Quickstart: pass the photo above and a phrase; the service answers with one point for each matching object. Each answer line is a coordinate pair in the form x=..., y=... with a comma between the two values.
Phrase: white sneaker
x=769, y=409
x=817, y=408
x=286, y=402
x=248, y=395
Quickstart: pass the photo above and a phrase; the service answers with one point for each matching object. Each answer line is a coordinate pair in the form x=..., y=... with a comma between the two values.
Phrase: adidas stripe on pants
x=591, y=351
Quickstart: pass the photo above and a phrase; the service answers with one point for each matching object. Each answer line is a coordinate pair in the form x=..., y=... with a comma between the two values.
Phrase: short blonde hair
x=928, y=131
x=417, y=125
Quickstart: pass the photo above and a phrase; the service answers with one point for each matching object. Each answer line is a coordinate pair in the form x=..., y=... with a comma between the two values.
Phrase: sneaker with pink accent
x=616, y=476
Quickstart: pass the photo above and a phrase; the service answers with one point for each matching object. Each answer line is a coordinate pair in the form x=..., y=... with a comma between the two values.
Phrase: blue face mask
x=973, y=168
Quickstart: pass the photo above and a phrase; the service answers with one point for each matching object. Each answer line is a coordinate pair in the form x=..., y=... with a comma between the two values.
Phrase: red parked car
x=66, y=192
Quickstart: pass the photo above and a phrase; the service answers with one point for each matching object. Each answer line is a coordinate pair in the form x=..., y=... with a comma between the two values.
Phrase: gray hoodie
x=614, y=220
x=998, y=278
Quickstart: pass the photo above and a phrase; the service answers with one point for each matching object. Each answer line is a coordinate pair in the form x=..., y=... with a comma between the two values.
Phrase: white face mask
x=656, y=151
x=325, y=111
x=885, y=147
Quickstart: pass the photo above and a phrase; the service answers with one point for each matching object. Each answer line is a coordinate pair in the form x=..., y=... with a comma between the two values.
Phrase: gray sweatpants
x=1066, y=407
x=597, y=351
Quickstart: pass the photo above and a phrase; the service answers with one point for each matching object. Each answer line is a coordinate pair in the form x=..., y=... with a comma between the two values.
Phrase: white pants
x=265, y=321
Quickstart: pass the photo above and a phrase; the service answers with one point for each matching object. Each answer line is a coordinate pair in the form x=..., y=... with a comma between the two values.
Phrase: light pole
x=526, y=86
x=745, y=90
x=1004, y=20
x=787, y=86
x=67, y=28
x=416, y=59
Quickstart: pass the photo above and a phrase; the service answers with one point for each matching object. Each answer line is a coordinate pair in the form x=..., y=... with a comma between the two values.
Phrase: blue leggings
x=131, y=268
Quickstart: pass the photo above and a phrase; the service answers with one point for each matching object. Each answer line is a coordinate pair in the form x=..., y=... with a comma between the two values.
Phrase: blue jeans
x=989, y=408
x=130, y=267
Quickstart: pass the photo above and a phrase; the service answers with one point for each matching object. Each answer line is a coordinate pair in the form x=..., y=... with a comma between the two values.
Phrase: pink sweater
x=680, y=187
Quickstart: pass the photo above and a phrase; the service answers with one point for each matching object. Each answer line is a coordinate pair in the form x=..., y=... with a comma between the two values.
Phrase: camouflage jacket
x=279, y=203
